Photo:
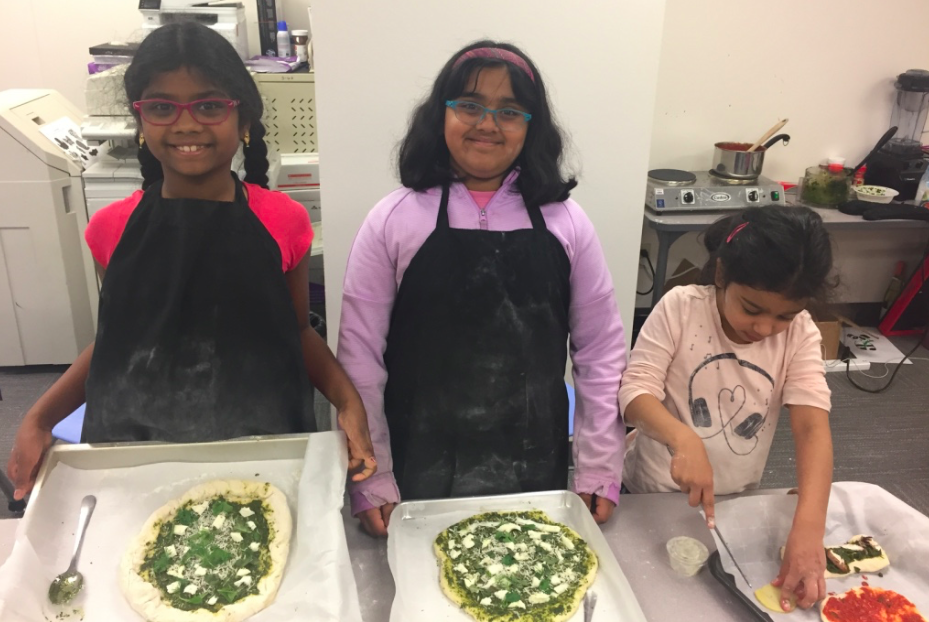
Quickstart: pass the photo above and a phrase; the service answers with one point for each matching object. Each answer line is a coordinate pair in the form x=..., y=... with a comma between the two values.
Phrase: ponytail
x=151, y=167
x=256, y=156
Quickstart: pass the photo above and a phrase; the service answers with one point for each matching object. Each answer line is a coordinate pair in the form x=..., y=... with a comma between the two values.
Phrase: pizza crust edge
x=146, y=599
x=479, y=614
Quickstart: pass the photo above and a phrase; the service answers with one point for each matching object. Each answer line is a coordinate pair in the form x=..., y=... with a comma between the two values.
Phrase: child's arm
x=690, y=465
x=34, y=436
x=804, y=558
x=328, y=376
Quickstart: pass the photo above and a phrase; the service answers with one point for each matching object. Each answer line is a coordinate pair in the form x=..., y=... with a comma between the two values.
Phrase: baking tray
x=130, y=480
x=715, y=564
x=414, y=526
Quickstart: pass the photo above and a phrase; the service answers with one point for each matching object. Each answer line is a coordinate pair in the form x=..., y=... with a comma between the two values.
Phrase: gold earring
x=247, y=138
x=141, y=140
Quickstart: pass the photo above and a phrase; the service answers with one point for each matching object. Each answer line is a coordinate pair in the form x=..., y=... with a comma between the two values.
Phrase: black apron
x=197, y=339
x=475, y=398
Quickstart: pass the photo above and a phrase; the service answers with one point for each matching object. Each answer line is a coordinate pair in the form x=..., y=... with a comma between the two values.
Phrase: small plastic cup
x=687, y=555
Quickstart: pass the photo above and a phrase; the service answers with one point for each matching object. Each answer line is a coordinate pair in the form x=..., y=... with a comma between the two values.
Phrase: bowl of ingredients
x=875, y=194
x=687, y=555
x=825, y=186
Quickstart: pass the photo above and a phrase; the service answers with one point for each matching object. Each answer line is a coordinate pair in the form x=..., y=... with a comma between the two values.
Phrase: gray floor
x=881, y=439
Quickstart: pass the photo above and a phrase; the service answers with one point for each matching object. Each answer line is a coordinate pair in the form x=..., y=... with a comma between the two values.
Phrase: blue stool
x=570, y=409
x=69, y=428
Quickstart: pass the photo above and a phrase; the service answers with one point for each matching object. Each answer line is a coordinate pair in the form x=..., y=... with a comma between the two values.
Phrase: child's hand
x=803, y=569
x=354, y=422
x=376, y=520
x=601, y=508
x=691, y=470
x=32, y=441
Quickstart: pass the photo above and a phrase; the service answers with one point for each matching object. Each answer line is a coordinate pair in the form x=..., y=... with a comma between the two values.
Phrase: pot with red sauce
x=734, y=160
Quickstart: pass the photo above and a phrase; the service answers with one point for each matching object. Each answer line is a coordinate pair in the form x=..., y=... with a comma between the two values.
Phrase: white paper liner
x=318, y=583
x=756, y=527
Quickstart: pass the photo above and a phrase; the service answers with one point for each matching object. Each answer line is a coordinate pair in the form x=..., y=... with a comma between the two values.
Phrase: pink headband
x=498, y=54
x=735, y=231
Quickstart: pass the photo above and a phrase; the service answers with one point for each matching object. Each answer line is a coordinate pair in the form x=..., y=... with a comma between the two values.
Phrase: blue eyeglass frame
x=451, y=103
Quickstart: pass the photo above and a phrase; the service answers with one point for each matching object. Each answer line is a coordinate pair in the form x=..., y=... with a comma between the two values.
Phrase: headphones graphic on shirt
x=702, y=418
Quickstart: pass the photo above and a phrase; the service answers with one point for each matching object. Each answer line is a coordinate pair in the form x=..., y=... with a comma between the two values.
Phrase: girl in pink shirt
x=714, y=364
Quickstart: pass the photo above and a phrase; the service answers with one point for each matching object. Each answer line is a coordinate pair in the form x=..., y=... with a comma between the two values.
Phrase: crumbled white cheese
x=521, y=557
x=461, y=568
x=241, y=572
x=567, y=543
x=236, y=536
x=536, y=582
x=560, y=589
x=199, y=508
x=251, y=525
x=539, y=567
x=468, y=581
x=508, y=527
x=489, y=583
x=254, y=546
x=518, y=605
x=501, y=594
x=486, y=561
x=468, y=541
x=486, y=601
x=171, y=551
x=538, y=598
x=495, y=569
x=535, y=535
x=176, y=571
x=452, y=544
x=212, y=601
x=180, y=529
x=191, y=589
x=549, y=528
x=173, y=587
x=523, y=521
x=246, y=512
x=510, y=545
x=246, y=580
x=219, y=521
x=488, y=542
x=200, y=571
x=454, y=554
x=557, y=580
x=545, y=546
x=522, y=546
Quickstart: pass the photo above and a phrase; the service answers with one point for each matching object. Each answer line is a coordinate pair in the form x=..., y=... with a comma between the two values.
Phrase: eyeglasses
x=507, y=119
x=167, y=112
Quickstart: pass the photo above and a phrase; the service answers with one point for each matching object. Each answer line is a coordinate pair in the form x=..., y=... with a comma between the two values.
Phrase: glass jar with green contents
x=825, y=186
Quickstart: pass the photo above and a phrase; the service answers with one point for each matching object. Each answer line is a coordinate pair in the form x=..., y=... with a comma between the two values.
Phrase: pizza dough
x=869, y=604
x=770, y=597
x=508, y=566
x=860, y=554
x=216, y=554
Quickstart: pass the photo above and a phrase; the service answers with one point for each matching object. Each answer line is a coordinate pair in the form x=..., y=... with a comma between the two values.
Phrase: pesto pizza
x=217, y=553
x=860, y=554
x=507, y=566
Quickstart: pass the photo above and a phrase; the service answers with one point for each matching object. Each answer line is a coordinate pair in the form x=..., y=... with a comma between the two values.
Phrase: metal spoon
x=66, y=585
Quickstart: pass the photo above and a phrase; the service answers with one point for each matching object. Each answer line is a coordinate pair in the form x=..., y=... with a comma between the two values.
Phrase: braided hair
x=193, y=46
x=773, y=248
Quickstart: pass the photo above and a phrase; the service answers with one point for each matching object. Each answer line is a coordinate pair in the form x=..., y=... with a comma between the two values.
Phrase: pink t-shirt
x=482, y=197
x=286, y=220
x=730, y=394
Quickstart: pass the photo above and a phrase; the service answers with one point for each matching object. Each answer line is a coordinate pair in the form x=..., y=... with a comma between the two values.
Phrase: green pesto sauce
x=210, y=548
x=517, y=576
x=851, y=555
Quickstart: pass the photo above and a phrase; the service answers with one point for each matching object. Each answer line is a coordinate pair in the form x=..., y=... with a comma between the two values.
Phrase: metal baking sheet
x=132, y=480
x=756, y=526
x=414, y=526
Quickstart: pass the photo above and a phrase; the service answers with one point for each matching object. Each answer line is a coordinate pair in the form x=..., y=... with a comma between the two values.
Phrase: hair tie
x=736, y=231
x=497, y=54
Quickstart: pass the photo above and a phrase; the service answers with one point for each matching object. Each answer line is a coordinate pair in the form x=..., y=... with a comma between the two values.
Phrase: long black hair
x=773, y=248
x=425, y=162
x=193, y=46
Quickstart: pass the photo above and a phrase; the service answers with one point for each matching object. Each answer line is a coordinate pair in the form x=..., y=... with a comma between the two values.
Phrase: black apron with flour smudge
x=475, y=398
x=197, y=337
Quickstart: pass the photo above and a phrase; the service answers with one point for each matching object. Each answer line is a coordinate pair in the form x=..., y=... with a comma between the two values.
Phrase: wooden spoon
x=777, y=127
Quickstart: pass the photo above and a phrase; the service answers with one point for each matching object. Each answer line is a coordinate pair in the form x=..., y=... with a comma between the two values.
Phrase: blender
x=900, y=163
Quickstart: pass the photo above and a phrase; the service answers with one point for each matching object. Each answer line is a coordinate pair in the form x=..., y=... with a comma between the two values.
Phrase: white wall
x=729, y=70
x=599, y=59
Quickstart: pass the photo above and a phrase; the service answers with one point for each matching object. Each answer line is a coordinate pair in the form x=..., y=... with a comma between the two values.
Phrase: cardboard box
x=830, y=327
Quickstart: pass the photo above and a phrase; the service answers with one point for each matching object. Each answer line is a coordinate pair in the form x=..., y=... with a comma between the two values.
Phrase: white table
x=669, y=226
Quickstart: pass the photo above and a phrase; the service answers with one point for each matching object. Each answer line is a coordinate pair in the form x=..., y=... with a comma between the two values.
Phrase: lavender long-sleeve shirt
x=388, y=239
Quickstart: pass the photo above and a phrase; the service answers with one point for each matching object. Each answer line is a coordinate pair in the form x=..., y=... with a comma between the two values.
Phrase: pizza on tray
x=215, y=554
x=860, y=554
x=507, y=566
x=869, y=604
